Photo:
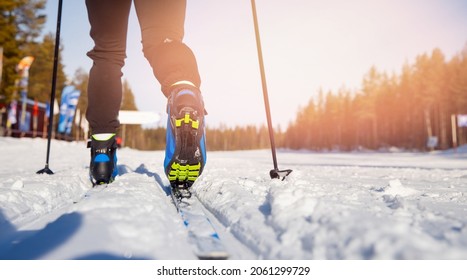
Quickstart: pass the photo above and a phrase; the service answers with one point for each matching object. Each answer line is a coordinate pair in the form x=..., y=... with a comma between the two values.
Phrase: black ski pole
x=275, y=173
x=46, y=169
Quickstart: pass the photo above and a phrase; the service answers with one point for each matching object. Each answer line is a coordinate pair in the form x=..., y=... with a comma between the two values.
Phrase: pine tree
x=20, y=24
x=40, y=73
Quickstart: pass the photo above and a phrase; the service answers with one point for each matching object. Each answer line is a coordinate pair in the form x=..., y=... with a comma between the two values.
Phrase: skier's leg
x=162, y=29
x=109, y=21
x=175, y=67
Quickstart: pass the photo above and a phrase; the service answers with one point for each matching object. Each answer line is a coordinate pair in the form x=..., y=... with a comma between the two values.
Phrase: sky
x=307, y=45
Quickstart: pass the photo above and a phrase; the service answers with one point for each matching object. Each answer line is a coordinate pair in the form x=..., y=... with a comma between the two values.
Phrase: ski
x=201, y=233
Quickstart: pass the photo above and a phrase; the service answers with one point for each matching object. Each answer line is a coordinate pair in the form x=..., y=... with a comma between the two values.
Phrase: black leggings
x=162, y=30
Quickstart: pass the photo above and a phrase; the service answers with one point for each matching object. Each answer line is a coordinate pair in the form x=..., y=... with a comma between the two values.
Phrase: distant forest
x=390, y=110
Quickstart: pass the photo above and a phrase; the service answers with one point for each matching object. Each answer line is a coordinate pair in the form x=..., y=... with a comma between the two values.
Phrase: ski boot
x=185, y=153
x=103, y=167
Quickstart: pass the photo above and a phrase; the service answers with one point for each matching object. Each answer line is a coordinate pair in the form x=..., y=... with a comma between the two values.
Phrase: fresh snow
x=361, y=205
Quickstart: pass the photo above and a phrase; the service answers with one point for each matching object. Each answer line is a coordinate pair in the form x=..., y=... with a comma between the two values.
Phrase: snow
x=361, y=205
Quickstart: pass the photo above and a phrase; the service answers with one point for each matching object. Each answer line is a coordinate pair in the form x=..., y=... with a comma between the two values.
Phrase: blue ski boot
x=185, y=153
x=103, y=167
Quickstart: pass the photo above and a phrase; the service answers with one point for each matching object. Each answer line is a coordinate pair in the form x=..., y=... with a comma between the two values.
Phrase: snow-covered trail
x=333, y=206
x=345, y=206
x=132, y=218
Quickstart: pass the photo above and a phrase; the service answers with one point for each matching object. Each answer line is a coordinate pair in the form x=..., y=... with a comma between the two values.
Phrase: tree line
x=390, y=110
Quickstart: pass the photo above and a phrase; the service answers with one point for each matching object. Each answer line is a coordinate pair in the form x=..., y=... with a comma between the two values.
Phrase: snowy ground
x=333, y=206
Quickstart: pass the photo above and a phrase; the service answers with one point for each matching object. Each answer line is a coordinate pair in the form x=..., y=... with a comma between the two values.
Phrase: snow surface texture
x=364, y=205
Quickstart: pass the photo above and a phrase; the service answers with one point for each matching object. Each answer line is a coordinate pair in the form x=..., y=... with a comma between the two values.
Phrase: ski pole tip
x=279, y=174
x=45, y=170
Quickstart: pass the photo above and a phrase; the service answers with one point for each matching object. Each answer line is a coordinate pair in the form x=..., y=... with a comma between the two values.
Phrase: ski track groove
x=219, y=227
